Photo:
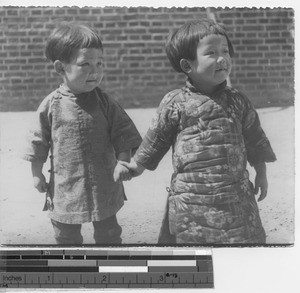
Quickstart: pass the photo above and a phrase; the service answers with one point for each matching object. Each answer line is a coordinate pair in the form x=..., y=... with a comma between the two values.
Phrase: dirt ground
x=22, y=221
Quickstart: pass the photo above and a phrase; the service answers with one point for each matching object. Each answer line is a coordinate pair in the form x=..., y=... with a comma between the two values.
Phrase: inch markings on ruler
x=100, y=268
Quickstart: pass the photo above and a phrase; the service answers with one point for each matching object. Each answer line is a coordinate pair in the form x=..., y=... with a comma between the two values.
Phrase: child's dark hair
x=69, y=37
x=182, y=43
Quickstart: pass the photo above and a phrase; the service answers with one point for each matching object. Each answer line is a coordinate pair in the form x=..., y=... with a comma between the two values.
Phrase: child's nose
x=93, y=69
x=221, y=60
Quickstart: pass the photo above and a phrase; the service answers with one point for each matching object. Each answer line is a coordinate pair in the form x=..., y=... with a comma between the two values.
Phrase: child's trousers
x=107, y=231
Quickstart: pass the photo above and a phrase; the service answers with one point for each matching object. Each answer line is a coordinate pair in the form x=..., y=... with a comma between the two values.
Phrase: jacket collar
x=65, y=91
x=218, y=90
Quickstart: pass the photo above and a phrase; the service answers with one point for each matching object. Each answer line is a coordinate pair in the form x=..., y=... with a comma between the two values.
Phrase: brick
x=263, y=34
x=86, y=18
x=13, y=54
x=15, y=80
x=228, y=21
x=252, y=41
x=47, y=11
x=251, y=21
x=35, y=60
x=253, y=28
x=232, y=14
x=146, y=37
x=134, y=58
x=252, y=55
x=277, y=13
x=111, y=32
x=263, y=20
x=13, y=47
x=135, y=31
x=36, y=12
x=59, y=11
x=159, y=31
x=274, y=34
x=287, y=34
x=12, y=12
x=12, y=74
x=84, y=11
x=38, y=19
x=14, y=33
x=288, y=47
x=160, y=9
x=253, y=14
x=159, y=16
x=275, y=40
x=35, y=47
x=275, y=27
x=274, y=61
x=159, y=38
x=182, y=16
x=8, y=20
x=287, y=21
x=263, y=48
x=251, y=74
x=129, y=17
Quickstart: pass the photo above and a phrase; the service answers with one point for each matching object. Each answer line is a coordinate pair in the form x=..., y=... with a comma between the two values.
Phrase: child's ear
x=59, y=67
x=185, y=66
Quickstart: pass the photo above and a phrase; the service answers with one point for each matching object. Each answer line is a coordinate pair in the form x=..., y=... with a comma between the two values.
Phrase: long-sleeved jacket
x=212, y=137
x=84, y=134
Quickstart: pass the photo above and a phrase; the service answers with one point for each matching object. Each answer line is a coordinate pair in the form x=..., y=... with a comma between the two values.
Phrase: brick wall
x=137, y=71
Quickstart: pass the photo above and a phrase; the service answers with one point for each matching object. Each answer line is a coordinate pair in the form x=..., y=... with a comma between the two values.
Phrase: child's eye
x=210, y=53
x=84, y=64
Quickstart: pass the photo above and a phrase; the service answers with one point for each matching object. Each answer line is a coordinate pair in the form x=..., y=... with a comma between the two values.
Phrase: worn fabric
x=212, y=137
x=84, y=134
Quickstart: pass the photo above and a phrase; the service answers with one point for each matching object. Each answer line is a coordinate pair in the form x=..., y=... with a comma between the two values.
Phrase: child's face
x=85, y=71
x=212, y=65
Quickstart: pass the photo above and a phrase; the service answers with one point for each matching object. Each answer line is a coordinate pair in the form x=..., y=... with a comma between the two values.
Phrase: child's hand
x=121, y=173
x=134, y=168
x=261, y=181
x=39, y=183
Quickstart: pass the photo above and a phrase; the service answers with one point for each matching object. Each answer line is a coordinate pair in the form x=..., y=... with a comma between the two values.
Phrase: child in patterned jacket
x=87, y=134
x=213, y=130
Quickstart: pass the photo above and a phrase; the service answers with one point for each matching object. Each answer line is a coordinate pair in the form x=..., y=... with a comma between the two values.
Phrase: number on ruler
x=173, y=275
x=104, y=279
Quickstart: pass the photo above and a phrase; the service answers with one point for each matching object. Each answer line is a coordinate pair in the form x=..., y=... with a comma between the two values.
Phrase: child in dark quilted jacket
x=213, y=130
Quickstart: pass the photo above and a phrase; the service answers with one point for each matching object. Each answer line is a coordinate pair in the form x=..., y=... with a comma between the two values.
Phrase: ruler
x=106, y=268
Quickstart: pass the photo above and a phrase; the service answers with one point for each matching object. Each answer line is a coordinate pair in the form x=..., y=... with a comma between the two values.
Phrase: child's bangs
x=216, y=29
x=83, y=37
x=91, y=40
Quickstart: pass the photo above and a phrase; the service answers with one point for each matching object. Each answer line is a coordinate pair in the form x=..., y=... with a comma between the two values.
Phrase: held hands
x=132, y=168
x=261, y=181
x=121, y=173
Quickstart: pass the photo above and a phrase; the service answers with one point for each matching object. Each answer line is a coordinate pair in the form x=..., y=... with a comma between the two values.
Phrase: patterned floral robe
x=212, y=137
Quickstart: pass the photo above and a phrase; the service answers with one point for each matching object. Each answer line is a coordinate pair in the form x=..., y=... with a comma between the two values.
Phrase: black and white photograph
x=190, y=146
x=147, y=126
